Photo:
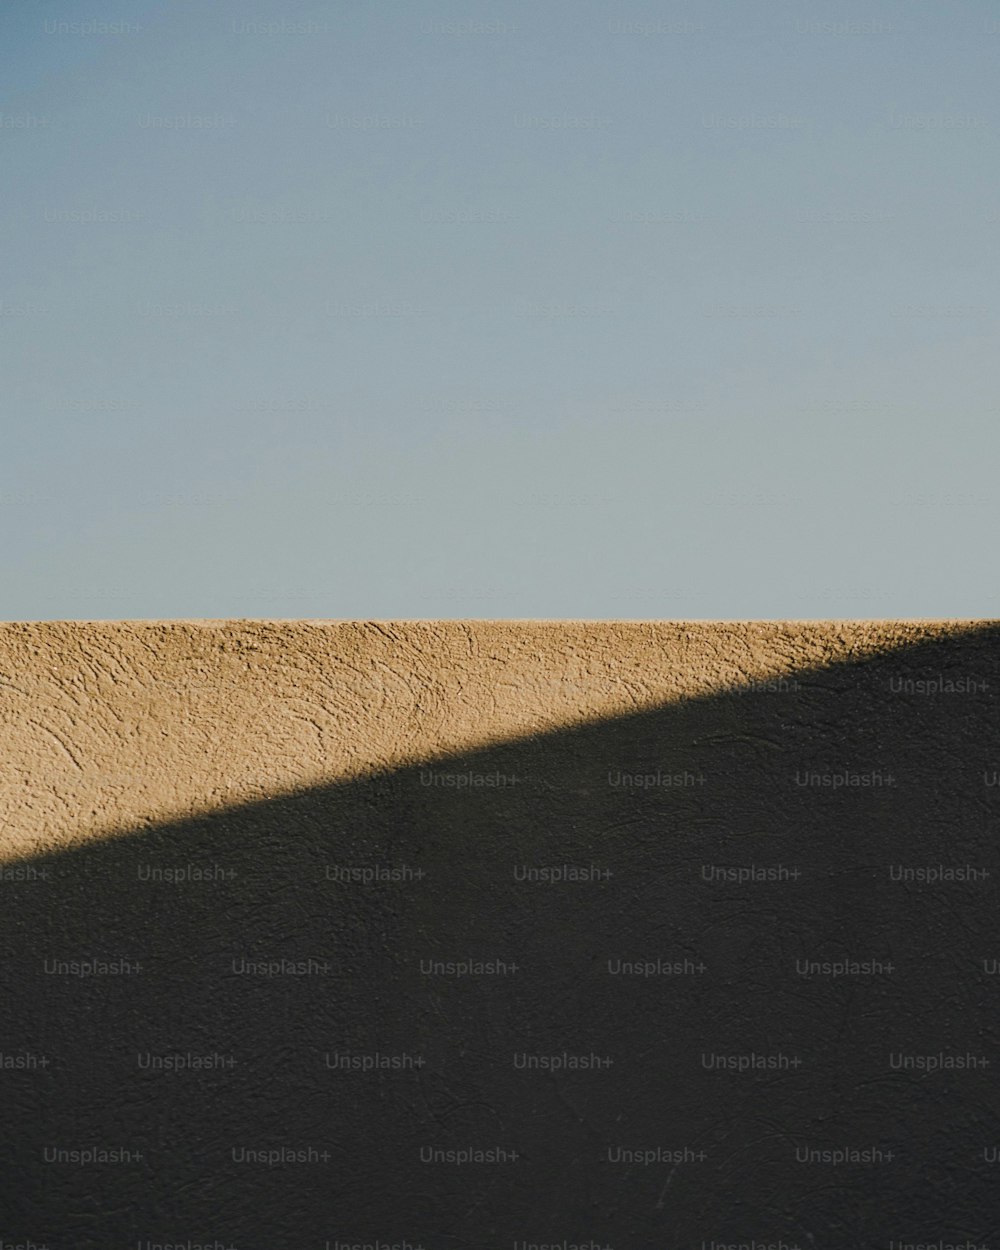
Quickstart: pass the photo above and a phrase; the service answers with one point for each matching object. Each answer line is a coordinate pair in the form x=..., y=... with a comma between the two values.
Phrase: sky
x=543, y=309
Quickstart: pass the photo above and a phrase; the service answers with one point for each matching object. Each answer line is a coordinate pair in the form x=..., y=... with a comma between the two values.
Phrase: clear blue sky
x=537, y=309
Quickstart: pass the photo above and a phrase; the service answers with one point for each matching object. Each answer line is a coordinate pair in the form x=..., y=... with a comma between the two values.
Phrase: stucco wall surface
x=472, y=935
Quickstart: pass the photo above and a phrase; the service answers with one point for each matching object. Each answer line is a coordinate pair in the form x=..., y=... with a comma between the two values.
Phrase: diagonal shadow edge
x=913, y=656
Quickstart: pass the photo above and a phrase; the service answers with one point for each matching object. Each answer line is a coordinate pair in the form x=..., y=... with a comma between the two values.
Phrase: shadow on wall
x=585, y=1084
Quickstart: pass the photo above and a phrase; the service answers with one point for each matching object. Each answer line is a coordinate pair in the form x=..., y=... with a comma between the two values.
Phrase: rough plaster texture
x=265, y=755
x=110, y=725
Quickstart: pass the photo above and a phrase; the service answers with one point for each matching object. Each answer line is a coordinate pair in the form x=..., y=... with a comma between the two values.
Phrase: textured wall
x=243, y=862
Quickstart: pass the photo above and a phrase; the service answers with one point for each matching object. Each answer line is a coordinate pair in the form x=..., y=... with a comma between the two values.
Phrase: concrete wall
x=194, y=933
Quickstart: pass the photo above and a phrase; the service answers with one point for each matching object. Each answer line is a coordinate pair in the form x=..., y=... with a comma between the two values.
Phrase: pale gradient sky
x=631, y=311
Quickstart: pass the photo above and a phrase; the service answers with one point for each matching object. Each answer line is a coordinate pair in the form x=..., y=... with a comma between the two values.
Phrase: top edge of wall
x=212, y=622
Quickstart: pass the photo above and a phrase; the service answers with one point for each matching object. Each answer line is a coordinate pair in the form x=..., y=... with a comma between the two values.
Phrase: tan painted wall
x=351, y=884
x=109, y=726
